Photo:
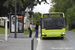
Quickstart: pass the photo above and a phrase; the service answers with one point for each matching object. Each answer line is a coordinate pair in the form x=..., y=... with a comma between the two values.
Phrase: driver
x=59, y=23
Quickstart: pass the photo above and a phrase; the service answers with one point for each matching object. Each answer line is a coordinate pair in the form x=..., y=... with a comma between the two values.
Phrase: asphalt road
x=68, y=43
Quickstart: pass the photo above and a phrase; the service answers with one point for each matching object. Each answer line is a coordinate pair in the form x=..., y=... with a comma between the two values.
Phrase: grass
x=73, y=30
x=26, y=31
x=67, y=27
x=2, y=30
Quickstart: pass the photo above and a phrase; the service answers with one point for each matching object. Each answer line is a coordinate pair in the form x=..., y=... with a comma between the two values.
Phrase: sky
x=43, y=8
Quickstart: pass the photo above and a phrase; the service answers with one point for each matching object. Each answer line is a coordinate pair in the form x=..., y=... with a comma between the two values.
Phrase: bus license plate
x=53, y=36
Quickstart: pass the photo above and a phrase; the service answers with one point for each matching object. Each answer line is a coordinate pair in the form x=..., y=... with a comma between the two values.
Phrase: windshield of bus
x=53, y=23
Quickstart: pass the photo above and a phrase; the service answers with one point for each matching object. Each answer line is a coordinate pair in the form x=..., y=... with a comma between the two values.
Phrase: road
x=68, y=43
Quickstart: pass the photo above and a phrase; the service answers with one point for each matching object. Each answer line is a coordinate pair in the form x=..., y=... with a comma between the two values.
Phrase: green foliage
x=71, y=15
x=61, y=5
x=9, y=5
x=36, y=18
x=52, y=9
x=21, y=4
x=2, y=30
x=73, y=30
x=26, y=32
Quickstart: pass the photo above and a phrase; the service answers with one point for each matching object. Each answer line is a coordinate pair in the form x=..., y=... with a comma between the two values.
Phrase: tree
x=21, y=4
x=62, y=5
x=8, y=5
x=52, y=9
x=36, y=17
x=2, y=9
x=71, y=17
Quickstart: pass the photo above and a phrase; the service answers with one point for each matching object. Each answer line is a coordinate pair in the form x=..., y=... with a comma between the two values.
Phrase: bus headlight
x=44, y=33
x=63, y=33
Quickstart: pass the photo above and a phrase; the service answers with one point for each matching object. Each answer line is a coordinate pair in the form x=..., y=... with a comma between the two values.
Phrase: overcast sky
x=43, y=8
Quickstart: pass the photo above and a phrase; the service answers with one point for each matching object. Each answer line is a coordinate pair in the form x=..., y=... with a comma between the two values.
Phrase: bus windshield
x=53, y=23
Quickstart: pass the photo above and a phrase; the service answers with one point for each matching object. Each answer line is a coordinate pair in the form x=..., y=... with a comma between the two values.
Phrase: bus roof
x=54, y=13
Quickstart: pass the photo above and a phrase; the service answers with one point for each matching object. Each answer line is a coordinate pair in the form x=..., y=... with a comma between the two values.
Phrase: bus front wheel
x=42, y=38
x=62, y=37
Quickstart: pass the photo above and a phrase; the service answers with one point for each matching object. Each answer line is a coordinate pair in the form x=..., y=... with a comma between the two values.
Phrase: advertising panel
x=19, y=24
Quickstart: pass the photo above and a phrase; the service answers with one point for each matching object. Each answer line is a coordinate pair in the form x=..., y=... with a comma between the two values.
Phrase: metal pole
x=15, y=19
x=32, y=44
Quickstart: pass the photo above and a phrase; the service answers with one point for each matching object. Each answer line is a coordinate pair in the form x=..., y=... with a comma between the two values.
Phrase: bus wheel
x=41, y=38
x=62, y=37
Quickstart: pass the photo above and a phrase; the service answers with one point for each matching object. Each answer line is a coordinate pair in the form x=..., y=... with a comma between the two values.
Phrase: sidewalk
x=15, y=43
x=18, y=43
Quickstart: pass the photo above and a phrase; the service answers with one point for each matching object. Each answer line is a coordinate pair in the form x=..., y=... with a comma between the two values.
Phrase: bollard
x=6, y=30
x=32, y=44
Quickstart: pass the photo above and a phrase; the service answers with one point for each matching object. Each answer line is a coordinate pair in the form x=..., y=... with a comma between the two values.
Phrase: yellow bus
x=53, y=25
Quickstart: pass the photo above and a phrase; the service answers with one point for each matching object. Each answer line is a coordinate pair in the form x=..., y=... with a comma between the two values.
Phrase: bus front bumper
x=53, y=35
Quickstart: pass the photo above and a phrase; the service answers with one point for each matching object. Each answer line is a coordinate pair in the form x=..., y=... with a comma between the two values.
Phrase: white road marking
x=38, y=45
x=70, y=40
x=2, y=41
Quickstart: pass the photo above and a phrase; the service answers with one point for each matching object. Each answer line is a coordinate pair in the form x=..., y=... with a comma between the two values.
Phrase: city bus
x=53, y=25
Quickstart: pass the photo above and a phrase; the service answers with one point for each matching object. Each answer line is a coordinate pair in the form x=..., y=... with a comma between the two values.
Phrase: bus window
x=54, y=23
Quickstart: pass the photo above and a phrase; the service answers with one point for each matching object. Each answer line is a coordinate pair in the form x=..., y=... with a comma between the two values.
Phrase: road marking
x=38, y=45
x=70, y=40
x=2, y=41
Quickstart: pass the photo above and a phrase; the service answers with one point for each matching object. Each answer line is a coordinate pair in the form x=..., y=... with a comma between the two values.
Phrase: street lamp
x=15, y=19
